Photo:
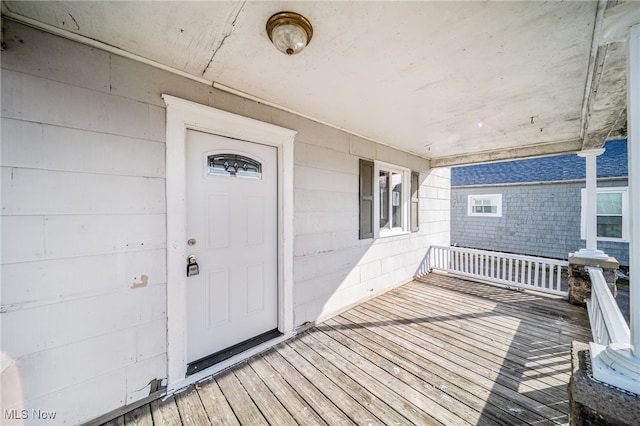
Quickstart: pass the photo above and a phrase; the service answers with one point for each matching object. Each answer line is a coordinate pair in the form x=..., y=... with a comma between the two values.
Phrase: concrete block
x=594, y=403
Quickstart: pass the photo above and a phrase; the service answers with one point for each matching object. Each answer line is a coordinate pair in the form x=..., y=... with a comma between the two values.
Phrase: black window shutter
x=366, y=199
x=415, y=186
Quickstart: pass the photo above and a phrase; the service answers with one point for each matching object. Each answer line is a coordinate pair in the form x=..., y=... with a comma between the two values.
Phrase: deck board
x=190, y=408
x=165, y=412
x=438, y=350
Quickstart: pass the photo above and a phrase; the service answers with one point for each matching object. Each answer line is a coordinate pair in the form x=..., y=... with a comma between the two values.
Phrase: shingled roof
x=612, y=163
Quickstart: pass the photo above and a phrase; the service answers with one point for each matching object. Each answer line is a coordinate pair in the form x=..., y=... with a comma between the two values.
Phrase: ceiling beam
x=608, y=97
x=530, y=151
x=606, y=100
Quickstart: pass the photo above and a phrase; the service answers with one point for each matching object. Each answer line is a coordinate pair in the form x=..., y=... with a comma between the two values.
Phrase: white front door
x=232, y=230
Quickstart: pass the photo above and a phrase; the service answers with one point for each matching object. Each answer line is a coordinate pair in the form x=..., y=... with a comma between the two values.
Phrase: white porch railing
x=612, y=360
x=607, y=323
x=528, y=272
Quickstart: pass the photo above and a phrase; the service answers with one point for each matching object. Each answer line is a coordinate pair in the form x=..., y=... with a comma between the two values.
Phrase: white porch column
x=633, y=141
x=591, y=251
x=618, y=364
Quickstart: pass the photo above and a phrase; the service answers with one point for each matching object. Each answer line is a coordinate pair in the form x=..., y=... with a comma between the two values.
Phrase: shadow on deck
x=439, y=350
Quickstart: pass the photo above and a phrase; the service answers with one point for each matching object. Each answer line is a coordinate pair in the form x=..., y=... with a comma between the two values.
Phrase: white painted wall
x=83, y=232
x=84, y=222
x=333, y=269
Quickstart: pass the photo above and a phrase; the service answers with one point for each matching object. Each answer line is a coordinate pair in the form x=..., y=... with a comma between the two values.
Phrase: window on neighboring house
x=388, y=200
x=485, y=205
x=612, y=214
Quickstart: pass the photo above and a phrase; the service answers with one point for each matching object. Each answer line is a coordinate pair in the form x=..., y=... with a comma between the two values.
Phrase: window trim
x=405, y=200
x=625, y=213
x=472, y=197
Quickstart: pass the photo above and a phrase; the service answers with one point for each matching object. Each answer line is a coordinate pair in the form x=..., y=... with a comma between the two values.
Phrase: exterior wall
x=537, y=219
x=84, y=282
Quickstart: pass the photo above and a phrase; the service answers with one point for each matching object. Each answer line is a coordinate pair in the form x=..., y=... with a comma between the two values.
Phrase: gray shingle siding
x=537, y=219
x=540, y=203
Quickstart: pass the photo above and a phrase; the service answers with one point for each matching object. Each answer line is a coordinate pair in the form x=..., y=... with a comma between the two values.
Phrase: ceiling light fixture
x=289, y=32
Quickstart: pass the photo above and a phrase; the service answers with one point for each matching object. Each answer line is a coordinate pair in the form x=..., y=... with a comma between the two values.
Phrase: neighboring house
x=534, y=206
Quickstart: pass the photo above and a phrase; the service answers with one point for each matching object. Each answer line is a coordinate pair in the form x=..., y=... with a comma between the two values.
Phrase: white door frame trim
x=183, y=115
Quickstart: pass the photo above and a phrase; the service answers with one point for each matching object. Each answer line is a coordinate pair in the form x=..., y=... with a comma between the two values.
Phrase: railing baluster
x=492, y=269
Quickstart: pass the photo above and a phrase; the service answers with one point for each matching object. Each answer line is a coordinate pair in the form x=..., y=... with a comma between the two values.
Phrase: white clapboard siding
x=50, y=57
x=151, y=341
x=326, y=180
x=326, y=159
x=36, y=145
x=138, y=383
x=81, y=358
x=46, y=327
x=28, y=238
x=79, y=403
x=392, y=156
x=22, y=238
x=332, y=267
x=56, y=280
x=38, y=192
x=83, y=108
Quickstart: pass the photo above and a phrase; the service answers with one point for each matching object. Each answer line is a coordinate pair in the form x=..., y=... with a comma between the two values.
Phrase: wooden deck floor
x=439, y=350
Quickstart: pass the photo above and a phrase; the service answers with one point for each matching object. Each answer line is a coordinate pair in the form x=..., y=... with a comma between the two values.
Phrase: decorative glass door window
x=233, y=165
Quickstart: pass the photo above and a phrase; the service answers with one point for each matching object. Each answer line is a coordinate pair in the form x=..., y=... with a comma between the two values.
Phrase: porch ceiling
x=451, y=81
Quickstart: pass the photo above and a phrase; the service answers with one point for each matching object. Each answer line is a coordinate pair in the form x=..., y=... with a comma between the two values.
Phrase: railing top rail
x=615, y=323
x=557, y=262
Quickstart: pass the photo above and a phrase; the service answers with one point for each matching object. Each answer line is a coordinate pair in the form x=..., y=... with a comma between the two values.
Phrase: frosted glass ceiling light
x=289, y=32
